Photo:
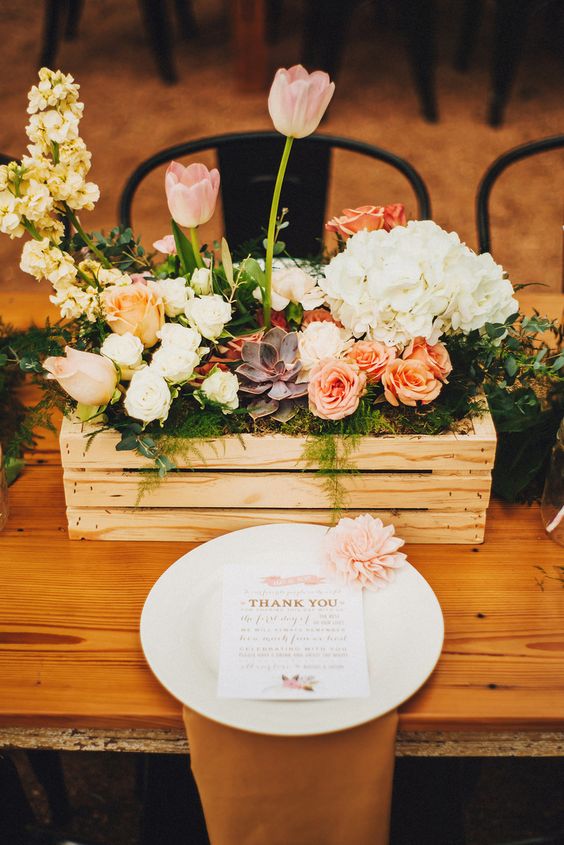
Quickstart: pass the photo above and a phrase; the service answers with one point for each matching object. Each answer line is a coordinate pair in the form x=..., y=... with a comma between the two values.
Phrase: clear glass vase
x=3, y=493
x=552, y=506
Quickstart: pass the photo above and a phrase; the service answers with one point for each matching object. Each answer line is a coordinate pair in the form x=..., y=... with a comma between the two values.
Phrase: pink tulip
x=191, y=193
x=298, y=100
x=89, y=379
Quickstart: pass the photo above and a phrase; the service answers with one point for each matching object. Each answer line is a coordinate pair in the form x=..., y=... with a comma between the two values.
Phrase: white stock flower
x=321, y=340
x=221, y=387
x=174, y=294
x=292, y=284
x=52, y=126
x=174, y=363
x=148, y=396
x=10, y=219
x=173, y=334
x=414, y=281
x=41, y=260
x=126, y=351
x=54, y=90
x=208, y=314
x=75, y=302
x=201, y=281
x=107, y=275
x=36, y=202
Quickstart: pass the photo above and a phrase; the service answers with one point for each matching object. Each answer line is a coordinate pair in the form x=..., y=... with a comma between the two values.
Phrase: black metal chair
x=248, y=163
x=493, y=172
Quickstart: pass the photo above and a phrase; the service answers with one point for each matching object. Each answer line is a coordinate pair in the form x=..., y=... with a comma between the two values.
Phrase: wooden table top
x=72, y=673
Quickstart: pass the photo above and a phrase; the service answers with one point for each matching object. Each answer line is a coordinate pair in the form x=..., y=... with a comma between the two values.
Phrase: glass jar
x=3, y=494
x=552, y=506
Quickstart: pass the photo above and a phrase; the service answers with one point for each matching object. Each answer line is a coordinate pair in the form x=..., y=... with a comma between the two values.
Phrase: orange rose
x=334, y=389
x=134, y=308
x=319, y=315
x=372, y=357
x=367, y=217
x=410, y=381
x=435, y=357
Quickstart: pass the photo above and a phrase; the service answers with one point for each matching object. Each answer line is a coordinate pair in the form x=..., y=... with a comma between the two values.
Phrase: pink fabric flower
x=88, y=378
x=135, y=308
x=298, y=100
x=319, y=315
x=334, y=389
x=166, y=245
x=363, y=551
x=191, y=193
x=410, y=381
x=367, y=217
x=434, y=356
x=372, y=357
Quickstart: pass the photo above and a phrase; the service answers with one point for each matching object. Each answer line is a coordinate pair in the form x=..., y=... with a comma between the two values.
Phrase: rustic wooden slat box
x=434, y=488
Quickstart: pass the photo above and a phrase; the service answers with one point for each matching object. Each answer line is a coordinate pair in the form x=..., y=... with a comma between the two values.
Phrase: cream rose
x=208, y=314
x=221, y=387
x=126, y=351
x=90, y=379
x=293, y=284
x=174, y=293
x=148, y=396
x=173, y=334
x=135, y=308
x=174, y=363
x=320, y=340
x=410, y=381
x=201, y=281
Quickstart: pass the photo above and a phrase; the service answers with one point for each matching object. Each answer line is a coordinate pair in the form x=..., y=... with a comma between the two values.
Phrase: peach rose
x=334, y=389
x=363, y=552
x=372, y=357
x=367, y=217
x=410, y=381
x=319, y=315
x=435, y=357
x=89, y=379
x=135, y=308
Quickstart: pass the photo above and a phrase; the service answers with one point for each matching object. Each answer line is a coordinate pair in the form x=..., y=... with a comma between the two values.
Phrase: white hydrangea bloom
x=414, y=281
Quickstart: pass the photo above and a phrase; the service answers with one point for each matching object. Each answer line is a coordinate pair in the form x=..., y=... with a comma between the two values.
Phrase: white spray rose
x=221, y=387
x=292, y=284
x=201, y=281
x=148, y=396
x=175, y=364
x=319, y=341
x=208, y=314
x=173, y=334
x=126, y=351
x=174, y=293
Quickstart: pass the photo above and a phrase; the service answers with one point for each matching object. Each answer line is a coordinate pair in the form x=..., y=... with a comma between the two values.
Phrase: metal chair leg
x=48, y=770
x=472, y=14
x=186, y=19
x=54, y=9
x=419, y=25
x=73, y=19
x=510, y=27
x=15, y=811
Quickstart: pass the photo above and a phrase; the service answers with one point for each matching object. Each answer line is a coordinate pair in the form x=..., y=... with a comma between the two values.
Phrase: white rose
x=173, y=334
x=148, y=396
x=292, y=284
x=208, y=314
x=201, y=281
x=174, y=293
x=175, y=364
x=221, y=387
x=126, y=351
x=319, y=341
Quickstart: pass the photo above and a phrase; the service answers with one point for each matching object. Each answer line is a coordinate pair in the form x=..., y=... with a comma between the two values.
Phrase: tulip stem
x=196, y=246
x=267, y=296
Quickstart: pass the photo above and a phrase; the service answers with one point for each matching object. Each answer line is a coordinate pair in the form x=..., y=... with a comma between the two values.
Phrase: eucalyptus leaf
x=227, y=262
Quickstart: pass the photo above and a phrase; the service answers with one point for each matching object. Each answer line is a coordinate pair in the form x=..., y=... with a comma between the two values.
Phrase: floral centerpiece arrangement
x=396, y=332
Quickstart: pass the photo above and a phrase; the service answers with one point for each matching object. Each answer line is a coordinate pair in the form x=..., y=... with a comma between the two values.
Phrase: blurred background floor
x=130, y=113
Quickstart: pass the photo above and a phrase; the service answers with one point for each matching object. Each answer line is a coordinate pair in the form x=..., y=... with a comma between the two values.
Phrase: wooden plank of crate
x=197, y=525
x=443, y=491
x=444, y=451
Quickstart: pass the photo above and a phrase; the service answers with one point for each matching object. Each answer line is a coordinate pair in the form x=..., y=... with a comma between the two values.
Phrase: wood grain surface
x=71, y=662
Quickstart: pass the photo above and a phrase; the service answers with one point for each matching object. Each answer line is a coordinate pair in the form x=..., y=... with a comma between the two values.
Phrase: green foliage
x=184, y=249
x=330, y=455
x=120, y=247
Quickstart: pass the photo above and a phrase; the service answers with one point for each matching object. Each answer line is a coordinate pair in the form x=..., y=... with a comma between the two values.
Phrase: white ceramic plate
x=180, y=633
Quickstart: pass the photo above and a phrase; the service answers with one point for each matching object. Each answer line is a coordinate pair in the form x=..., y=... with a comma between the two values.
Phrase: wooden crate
x=435, y=489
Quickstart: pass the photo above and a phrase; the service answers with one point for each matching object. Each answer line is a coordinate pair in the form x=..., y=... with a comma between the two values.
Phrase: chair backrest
x=4, y=159
x=248, y=163
x=492, y=174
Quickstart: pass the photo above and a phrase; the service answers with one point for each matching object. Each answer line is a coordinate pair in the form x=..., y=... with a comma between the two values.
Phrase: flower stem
x=267, y=297
x=87, y=240
x=31, y=229
x=196, y=246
